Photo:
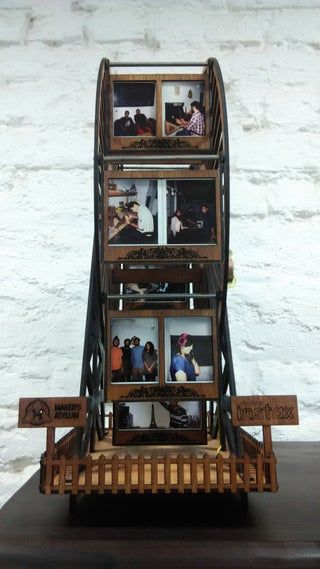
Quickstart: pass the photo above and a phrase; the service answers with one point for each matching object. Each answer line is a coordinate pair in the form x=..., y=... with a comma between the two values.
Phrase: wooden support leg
x=50, y=441
x=267, y=448
x=267, y=441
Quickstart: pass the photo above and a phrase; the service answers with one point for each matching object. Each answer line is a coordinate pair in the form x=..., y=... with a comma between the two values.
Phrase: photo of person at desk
x=191, y=226
x=132, y=212
x=195, y=126
x=140, y=219
x=191, y=211
x=184, y=108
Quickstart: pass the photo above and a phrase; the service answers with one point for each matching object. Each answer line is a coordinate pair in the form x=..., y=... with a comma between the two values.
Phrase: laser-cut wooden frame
x=151, y=249
x=161, y=388
x=156, y=433
x=160, y=140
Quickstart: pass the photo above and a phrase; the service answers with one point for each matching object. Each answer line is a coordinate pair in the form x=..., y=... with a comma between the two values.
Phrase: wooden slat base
x=156, y=469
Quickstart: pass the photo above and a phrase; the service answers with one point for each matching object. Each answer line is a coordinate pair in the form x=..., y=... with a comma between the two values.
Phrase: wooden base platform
x=156, y=458
x=106, y=448
x=277, y=531
x=156, y=469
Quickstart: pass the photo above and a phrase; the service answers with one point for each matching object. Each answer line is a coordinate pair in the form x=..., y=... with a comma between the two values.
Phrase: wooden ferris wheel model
x=157, y=342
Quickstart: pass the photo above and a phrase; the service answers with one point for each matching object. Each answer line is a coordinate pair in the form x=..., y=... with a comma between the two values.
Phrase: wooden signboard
x=264, y=410
x=52, y=412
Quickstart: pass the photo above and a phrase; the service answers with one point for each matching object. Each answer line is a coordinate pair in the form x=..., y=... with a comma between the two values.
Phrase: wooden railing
x=157, y=474
x=66, y=473
x=65, y=446
x=251, y=446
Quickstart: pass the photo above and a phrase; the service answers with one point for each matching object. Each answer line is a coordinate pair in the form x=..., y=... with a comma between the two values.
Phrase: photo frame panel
x=160, y=422
x=117, y=389
x=140, y=217
x=184, y=108
x=132, y=218
x=133, y=350
x=134, y=108
x=189, y=350
x=191, y=211
x=144, y=92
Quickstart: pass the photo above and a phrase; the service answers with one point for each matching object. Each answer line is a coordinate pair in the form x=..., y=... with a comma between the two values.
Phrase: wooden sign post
x=264, y=410
x=52, y=412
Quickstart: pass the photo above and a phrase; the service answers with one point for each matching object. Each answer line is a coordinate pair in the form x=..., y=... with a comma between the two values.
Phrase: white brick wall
x=269, y=53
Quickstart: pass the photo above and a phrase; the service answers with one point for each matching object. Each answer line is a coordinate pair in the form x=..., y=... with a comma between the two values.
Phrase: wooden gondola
x=100, y=454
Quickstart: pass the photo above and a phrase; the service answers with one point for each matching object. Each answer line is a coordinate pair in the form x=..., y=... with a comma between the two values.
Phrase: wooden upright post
x=267, y=441
x=50, y=441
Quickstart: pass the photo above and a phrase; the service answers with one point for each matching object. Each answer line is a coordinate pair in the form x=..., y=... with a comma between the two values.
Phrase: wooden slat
x=141, y=474
x=101, y=475
x=233, y=473
x=194, y=478
x=246, y=473
x=88, y=475
x=180, y=473
x=75, y=475
x=273, y=474
x=220, y=482
x=154, y=474
x=48, y=474
x=259, y=473
x=128, y=474
x=114, y=474
x=167, y=474
x=62, y=475
x=206, y=472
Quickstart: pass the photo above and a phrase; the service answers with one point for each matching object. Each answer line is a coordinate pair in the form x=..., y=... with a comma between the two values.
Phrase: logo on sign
x=37, y=413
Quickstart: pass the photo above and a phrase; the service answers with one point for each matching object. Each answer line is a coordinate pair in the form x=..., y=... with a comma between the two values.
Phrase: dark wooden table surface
x=172, y=532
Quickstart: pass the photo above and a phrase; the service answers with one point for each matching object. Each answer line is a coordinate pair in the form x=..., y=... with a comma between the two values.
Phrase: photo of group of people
x=134, y=359
x=188, y=351
x=161, y=212
x=182, y=108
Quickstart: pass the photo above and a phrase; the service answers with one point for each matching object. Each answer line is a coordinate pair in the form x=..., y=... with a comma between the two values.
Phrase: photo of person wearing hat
x=183, y=366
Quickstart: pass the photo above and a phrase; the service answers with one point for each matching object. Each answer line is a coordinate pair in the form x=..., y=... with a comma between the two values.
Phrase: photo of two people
x=188, y=350
x=182, y=108
x=134, y=108
x=161, y=212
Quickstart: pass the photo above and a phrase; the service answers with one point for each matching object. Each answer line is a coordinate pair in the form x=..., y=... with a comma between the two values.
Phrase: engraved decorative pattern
x=163, y=392
x=159, y=143
x=162, y=253
x=37, y=413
